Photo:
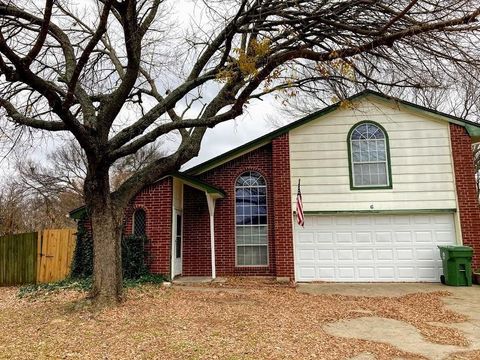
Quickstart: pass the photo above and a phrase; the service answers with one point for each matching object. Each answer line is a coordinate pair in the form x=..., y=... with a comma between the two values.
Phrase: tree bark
x=106, y=220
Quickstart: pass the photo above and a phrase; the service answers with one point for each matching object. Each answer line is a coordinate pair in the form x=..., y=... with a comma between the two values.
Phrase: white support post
x=211, y=210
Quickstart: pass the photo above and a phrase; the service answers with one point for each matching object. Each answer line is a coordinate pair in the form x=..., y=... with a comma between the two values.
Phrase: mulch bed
x=241, y=319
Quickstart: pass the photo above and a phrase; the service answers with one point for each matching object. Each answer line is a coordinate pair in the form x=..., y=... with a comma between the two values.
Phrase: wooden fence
x=55, y=253
x=40, y=257
x=18, y=259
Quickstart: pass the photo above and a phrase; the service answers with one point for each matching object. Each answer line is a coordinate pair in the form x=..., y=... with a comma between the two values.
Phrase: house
x=384, y=182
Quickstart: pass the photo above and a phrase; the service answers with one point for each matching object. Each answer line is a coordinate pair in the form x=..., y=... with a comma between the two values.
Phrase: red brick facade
x=196, y=260
x=466, y=189
x=196, y=218
x=156, y=200
x=272, y=161
x=282, y=207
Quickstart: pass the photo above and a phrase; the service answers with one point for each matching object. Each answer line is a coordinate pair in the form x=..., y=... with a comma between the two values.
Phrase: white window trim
x=385, y=162
x=236, y=226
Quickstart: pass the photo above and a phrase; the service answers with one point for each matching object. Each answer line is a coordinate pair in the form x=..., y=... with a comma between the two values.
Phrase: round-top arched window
x=369, y=156
x=251, y=220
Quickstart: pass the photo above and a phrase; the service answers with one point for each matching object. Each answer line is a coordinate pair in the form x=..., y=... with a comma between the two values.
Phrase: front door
x=178, y=243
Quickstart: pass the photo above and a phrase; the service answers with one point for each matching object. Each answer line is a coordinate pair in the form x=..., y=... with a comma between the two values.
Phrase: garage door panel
x=382, y=220
x=422, y=219
x=326, y=273
x=362, y=220
x=384, y=254
x=326, y=255
x=427, y=254
x=346, y=273
x=405, y=254
x=343, y=220
x=307, y=272
x=407, y=273
x=383, y=237
x=444, y=237
x=401, y=220
x=385, y=273
x=372, y=247
x=365, y=254
x=364, y=238
x=428, y=273
x=306, y=255
x=345, y=254
x=443, y=219
x=403, y=237
x=344, y=237
x=366, y=273
x=325, y=238
x=423, y=236
x=306, y=238
x=319, y=220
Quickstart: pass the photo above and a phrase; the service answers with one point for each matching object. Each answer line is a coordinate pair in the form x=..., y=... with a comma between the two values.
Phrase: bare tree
x=66, y=170
x=103, y=71
x=11, y=209
x=23, y=210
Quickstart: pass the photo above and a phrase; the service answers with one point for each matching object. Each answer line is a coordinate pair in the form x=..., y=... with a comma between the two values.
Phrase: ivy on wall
x=133, y=255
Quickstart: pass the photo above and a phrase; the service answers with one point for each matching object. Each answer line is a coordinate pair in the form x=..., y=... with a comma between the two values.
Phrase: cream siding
x=421, y=162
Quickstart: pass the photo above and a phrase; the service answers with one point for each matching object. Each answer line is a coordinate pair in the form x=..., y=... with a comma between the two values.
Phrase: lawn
x=242, y=319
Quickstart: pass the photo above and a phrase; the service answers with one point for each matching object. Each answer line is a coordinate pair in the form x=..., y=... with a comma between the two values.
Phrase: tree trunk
x=107, y=231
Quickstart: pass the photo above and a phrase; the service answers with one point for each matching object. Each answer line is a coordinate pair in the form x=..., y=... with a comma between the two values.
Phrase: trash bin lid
x=455, y=248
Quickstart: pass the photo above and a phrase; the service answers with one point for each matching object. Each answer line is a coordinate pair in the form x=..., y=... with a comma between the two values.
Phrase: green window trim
x=350, y=163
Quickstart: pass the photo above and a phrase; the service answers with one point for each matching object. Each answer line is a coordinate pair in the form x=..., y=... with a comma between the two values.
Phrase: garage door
x=368, y=248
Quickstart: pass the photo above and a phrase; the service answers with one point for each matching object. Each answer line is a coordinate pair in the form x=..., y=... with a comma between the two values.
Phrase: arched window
x=139, y=222
x=251, y=220
x=369, y=157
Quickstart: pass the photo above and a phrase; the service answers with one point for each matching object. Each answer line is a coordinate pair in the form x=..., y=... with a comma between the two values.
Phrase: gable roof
x=472, y=128
x=217, y=193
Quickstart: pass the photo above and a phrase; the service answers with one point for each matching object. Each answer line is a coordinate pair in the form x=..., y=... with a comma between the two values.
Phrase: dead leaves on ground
x=241, y=319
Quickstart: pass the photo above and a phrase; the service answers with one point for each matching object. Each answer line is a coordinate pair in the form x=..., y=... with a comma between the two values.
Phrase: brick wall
x=156, y=200
x=466, y=189
x=272, y=161
x=198, y=232
x=282, y=207
x=196, y=260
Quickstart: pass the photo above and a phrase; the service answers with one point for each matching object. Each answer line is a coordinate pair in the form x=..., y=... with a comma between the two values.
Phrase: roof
x=217, y=193
x=472, y=128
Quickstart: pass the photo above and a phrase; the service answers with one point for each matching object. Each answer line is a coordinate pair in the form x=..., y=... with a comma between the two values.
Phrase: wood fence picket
x=36, y=257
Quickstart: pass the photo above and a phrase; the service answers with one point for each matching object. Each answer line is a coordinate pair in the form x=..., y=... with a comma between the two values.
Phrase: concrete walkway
x=464, y=300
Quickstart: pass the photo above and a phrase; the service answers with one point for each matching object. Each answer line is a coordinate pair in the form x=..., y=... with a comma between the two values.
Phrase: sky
x=231, y=134
x=256, y=121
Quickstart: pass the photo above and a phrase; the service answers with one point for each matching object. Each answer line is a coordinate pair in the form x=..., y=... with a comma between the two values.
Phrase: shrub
x=133, y=255
x=82, y=264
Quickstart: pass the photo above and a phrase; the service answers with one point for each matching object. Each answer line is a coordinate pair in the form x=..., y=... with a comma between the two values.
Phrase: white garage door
x=372, y=247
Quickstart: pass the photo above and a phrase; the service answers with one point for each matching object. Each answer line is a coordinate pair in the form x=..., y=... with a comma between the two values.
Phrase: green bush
x=134, y=257
x=82, y=264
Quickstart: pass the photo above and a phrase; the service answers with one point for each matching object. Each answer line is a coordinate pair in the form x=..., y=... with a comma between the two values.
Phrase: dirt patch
x=261, y=320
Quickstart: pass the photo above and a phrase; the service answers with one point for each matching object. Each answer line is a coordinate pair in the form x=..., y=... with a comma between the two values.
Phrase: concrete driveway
x=463, y=300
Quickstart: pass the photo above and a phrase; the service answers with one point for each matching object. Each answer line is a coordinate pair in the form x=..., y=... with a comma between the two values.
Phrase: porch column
x=211, y=211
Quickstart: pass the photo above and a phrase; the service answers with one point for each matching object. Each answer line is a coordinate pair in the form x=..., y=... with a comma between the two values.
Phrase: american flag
x=300, y=217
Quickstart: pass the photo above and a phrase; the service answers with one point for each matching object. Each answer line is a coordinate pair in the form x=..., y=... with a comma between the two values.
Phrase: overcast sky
x=254, y=123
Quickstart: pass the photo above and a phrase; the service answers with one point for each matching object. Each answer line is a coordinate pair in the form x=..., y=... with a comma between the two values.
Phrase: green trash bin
x=457, y=265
